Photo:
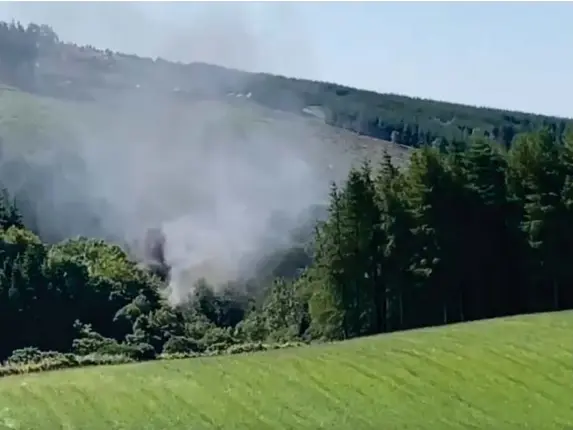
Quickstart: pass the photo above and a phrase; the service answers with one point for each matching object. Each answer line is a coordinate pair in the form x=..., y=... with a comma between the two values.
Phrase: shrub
x=142, y=352
x=181, y=344
x=217, y=338
x=217, y=348
x=178, y=355
x=41, y=361
x=25, y=356
x=31, y=360
x=247, y=347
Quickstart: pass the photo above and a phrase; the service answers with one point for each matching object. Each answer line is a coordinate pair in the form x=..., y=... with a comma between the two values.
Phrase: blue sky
x=507, y=55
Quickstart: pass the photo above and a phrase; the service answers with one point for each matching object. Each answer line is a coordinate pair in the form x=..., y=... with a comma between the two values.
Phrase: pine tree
x=428, y=186
x=9, y=213
x=492, y=260
x=327, y=277
x=359, y=228
x=565, y=299
x=395, y=244
x=543, y=220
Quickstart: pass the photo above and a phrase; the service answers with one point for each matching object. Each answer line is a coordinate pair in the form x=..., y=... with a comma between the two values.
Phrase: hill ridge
x=71, y=71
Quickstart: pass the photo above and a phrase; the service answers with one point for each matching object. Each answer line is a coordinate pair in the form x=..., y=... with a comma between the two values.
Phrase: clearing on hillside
x=510, y=373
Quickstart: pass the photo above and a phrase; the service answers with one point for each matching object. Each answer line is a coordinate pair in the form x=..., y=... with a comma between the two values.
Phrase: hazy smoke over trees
x=221, y=183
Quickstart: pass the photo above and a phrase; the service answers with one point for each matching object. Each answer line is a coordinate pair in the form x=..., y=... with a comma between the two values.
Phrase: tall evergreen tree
x=431, y=189
x=543, y=217
x=396, y=247
x=327, y=304
x=360, y=234
x=491, y=251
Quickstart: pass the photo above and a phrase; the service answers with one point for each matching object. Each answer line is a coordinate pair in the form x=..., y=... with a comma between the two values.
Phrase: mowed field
x=512, y=373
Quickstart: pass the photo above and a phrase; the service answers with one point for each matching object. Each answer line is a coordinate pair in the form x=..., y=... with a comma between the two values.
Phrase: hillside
x=510, y=373
x=152, y=209
x=81, y=72
x=59, y=150
x=64, y=70
x=94, y=140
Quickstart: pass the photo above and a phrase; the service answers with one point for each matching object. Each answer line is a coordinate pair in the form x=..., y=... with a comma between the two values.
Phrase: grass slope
x=509, y=373
x=32, y=125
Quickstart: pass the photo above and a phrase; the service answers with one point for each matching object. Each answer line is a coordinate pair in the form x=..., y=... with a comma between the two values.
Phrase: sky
x=510, y=55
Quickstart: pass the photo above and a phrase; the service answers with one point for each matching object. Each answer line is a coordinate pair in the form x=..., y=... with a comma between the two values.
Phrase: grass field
x=511, y=373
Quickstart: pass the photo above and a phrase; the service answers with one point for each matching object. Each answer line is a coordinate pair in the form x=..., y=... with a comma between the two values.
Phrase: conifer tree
x=491, y=257
x=360, y=238
x=396, y=247
x=543, y=219
x=327, y=276
x=429, y=183
x=564, y=300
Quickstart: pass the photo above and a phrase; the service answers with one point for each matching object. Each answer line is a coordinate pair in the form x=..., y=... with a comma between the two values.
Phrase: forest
x=477, y=226
x=34, y=59
x=471, y=232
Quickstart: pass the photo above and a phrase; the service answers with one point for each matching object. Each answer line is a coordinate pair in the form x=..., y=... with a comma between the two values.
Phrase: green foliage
x=441, y=241
x=507, y=373
x=29, y=355
x=88, y=342
x=477, y=225
x=403, y=120
x=466, y=232
x=181, y=344
x=58, y=361
x=217, y=338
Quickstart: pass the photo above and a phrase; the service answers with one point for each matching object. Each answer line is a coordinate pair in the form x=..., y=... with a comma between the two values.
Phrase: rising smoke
x=220, y=183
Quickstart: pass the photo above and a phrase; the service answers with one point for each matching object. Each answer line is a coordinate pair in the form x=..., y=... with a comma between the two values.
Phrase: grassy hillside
x=37, y=61
x=67, y=137
x=108, y=145
x=118, y=117
x=511, y=373
x=81, y=72
x=87, y=78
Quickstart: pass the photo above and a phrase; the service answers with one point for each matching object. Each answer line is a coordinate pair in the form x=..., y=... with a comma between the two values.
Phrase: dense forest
x=472, y=228
x=66, y=70
x=472, y=232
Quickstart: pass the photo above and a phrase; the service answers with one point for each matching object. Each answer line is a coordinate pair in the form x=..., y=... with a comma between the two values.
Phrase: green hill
x=49, y=140
x=35, y=60
x=222, y=164
x=510, y=373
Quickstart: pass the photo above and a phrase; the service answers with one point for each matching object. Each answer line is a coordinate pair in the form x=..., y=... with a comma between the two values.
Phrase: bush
x=217, y=348
x=93, y=343
x=109, y=347
x=181, y=344
x=31, y=360
x=41, y=361
x=217, y=338
x=102, y=359
x=247, y=347
x=26, y=355
x=178, y=355
x=139, y=351
x=252, y=328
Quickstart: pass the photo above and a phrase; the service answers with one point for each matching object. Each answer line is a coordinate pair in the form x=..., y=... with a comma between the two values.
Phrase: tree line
x=405, y=120
x=465, y=232
x=19, y=50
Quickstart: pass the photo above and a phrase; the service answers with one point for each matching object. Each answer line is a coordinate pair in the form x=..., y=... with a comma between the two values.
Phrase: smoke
x=223, y=181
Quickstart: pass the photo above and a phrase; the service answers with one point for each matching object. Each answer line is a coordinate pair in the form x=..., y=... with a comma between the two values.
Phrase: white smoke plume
x=217, y=177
